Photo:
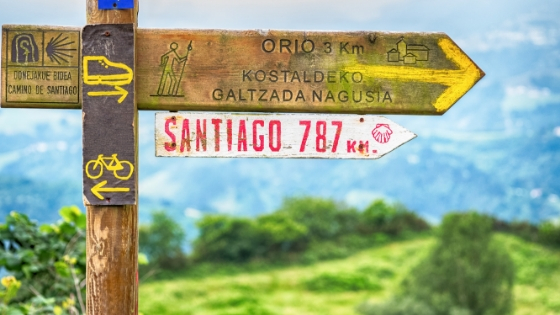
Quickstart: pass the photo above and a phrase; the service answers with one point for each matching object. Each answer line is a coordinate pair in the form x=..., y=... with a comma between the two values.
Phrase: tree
x=47, y=263
x=467, y=269
x=162, y=241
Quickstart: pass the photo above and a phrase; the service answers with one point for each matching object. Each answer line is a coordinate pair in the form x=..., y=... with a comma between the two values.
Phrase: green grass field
x=336, y=286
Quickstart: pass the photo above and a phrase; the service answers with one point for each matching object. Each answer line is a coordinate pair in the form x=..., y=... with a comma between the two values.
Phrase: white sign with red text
x=197, y=134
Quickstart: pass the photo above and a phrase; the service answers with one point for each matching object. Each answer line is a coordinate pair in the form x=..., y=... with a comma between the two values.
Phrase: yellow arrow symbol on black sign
x=97, y=189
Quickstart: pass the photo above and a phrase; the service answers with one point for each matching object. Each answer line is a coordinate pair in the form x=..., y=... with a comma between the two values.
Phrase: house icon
x=408, y=53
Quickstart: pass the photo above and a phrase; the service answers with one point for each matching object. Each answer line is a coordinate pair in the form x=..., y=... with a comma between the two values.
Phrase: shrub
x=381, y=217
x=466, y=270
x=48, y=260
x=279, y=234
x=223, y=238
x=399, y=306
x=549, y=234
x=318, y=215
x=342, y=282
x=162, y=242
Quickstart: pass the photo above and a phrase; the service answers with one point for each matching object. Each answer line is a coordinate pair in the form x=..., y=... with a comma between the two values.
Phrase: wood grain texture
x=96, y=16
x=112, y=231
x=297, y=71
x=112, y=259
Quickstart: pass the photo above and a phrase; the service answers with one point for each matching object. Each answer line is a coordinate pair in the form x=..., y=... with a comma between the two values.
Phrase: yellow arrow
x=459, y=81
x=118, y=91
x=99, y=188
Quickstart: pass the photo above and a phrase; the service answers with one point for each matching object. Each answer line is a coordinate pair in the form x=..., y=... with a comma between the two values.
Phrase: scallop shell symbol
x=382, y=133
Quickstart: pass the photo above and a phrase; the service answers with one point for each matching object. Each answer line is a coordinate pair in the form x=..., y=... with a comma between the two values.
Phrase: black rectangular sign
x=109, y=114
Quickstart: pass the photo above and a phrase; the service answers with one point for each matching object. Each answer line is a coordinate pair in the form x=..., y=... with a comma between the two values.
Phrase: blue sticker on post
x=116, y=4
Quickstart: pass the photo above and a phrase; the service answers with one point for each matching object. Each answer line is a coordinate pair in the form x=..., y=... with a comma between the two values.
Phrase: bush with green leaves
x=225, y=238
x=48, y=260
x=549, y=234
x=467, y=272
x=391, y=219
x=467, y=269
x=162, y=241
x=279, y=234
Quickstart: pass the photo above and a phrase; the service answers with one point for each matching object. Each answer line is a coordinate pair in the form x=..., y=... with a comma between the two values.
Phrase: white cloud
x=193, y=213
x=506, y=38
x=227, y=203
x=522, y=97
x=160, y=185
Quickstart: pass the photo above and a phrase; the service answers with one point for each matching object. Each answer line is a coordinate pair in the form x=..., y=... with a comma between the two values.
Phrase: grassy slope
x=284, y=290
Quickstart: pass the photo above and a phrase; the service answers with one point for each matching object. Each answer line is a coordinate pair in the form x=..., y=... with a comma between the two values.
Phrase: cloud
x=500, y=39
x=160, y=185
x=527, y=98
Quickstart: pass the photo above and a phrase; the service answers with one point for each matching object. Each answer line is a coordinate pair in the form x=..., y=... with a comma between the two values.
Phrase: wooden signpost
x=110, y=69
x=282, y=71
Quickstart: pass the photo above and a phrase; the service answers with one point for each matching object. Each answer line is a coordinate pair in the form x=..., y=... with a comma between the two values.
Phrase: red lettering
x=351, y=146
x=275, y=147
x=258, y=145
x=307, y=124
x=170, y=146
x=321, y=141
x=201, y=135
x=216, y=123
x=338, y=125
x=229, y=134
x=186, y=136
x=242, y=137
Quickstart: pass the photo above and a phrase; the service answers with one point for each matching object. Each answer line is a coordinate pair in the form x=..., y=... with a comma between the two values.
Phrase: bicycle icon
x=112, y=164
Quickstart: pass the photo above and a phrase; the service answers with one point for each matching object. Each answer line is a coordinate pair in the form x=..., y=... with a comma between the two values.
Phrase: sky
x=488, y=31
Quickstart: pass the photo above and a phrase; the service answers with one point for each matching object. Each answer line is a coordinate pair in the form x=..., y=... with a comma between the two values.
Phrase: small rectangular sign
x=41, y=67
x=325, y=136
x=109, y=115
x=115, y=4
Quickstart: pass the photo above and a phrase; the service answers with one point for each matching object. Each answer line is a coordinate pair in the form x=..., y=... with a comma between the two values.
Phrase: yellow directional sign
x=260, y=71
x=100, y=187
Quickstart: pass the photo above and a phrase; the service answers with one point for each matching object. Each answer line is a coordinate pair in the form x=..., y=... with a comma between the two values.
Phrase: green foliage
x=398, y=306
x=223, y=238
x=304, y=229
x=467, y=269
x=49, y=260
x=381, y=217
x=278, y=233
x=162, y=242
x=549, y=234
x=318, y=215
x=342, y=282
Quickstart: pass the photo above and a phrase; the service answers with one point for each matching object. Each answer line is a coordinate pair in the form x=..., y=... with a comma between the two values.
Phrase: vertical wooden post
x=112, y=228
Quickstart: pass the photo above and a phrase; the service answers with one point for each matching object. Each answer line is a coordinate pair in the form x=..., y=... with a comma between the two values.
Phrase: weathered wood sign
x=277, y=71
x=108, y=72
x=190, y=134
x=41, y=67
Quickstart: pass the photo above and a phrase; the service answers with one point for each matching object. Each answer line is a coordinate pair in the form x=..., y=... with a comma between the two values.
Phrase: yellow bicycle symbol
x=112, y=164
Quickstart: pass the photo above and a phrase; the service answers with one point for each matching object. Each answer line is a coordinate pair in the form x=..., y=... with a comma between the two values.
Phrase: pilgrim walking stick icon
x=173, y=70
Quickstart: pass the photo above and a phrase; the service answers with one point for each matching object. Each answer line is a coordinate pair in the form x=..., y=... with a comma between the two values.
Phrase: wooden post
x=112, y=229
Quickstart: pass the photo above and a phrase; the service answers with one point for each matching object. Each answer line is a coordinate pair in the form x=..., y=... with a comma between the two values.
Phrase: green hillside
x=337, y=286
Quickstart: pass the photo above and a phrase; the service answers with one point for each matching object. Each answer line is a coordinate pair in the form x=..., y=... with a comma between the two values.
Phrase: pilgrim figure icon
x=173, y=69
